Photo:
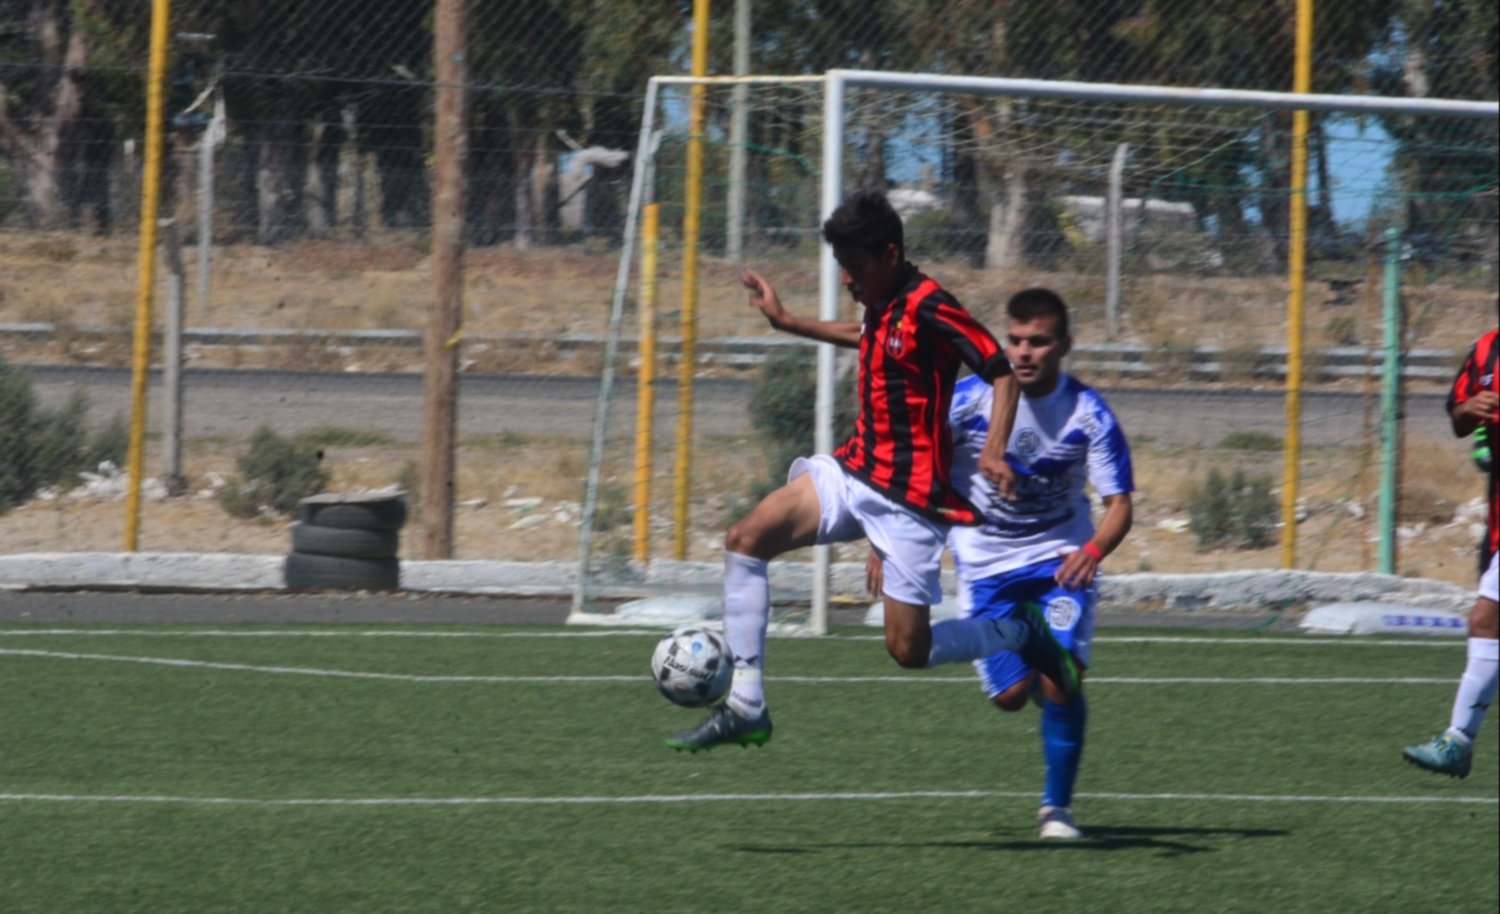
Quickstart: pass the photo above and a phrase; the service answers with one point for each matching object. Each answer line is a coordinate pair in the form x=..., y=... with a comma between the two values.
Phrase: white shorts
x=910, y=545
x=1489, y=582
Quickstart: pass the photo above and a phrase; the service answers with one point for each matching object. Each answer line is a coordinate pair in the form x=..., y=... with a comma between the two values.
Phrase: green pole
x=1390, y=386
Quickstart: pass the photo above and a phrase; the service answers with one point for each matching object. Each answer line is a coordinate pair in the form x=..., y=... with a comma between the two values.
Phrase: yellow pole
x=645, y=394
x=692, y=203
x=1296, y=281
x=161, y=12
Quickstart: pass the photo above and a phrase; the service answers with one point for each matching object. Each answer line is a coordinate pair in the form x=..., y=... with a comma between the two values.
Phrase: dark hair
x=865, y=220
x=1030, y=304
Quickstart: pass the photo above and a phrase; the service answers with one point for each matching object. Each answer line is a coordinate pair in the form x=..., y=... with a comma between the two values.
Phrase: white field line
x=724, y=798
x=1299, y=641
x=322, y=633
x=811, y=680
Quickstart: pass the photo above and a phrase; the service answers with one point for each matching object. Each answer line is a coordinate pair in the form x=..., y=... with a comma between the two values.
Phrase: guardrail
x=1130, y=359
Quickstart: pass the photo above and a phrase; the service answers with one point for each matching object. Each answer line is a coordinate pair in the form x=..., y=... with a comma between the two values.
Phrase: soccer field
x=521, y=769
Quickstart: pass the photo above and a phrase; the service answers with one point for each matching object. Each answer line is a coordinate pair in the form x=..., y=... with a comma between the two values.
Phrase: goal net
x=1167, y=218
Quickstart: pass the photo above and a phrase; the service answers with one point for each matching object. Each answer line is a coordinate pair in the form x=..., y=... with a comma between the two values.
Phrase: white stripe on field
x=1299, y=640
x=310, y=671
x=815, y=680
x=323, y=633
x=723, y=798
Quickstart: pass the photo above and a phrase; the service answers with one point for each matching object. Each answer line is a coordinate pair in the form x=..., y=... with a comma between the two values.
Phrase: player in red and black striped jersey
x=1474, y=400
x=910, y=348
x=888, y=483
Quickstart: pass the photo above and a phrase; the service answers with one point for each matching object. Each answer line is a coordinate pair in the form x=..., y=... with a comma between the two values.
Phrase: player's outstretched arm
x=1079, y=568
x=764, y=299
x=992, y=463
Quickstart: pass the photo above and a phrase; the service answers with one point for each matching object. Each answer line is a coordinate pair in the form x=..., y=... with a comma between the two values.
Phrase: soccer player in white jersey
x=1040, y=547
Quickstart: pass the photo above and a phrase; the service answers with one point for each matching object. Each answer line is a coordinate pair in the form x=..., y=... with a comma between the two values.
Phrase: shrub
x=782, y=411
x=1239, y=513
x=40, y=448
x=110, y=442
x=934, y=234
x=1250, y=441
x=61, y=441
x=409, y=480
x=275, y=473
x=17, y=455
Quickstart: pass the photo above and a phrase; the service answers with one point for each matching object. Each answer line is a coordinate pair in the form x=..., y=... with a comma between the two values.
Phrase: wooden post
x=444, y=325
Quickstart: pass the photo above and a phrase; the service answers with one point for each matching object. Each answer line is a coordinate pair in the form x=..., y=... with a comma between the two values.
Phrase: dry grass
x=79, y=281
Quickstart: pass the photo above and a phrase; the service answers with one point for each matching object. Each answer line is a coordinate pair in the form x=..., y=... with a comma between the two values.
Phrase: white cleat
x=1057, y=824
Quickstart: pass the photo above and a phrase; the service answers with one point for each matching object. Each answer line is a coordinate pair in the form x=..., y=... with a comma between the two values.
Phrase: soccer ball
x=692, y=667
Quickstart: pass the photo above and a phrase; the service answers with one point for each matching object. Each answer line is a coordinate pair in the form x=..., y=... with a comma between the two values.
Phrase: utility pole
x=444, y=324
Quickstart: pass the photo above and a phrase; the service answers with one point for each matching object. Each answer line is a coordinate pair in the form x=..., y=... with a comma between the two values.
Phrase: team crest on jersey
x=895, y=343
x=1028, y=442
x=1063, y=613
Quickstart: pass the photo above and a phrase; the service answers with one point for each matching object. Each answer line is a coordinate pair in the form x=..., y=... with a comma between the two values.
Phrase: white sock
x=1476, y=689
x=958, y=640
x=747, y=611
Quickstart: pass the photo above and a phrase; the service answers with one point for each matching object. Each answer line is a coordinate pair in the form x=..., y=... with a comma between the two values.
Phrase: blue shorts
x=1070, y=613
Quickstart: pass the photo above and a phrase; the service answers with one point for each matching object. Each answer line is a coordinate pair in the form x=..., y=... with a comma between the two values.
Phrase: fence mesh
x=1002, y=193
x=319, y=203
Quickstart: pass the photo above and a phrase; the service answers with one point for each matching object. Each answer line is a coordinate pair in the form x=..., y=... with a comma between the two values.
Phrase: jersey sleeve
x=1110, y=470
x=1470, y=378
x=1466, y=382
x=976, y=346
x=969, y=415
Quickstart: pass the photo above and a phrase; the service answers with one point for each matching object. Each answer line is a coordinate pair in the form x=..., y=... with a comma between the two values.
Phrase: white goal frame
x=836, y=85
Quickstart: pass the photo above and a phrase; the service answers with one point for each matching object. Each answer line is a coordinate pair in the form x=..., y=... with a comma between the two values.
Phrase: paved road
x=228, y=402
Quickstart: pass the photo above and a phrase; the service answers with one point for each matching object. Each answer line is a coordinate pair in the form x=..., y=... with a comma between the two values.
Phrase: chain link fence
x=299, y=135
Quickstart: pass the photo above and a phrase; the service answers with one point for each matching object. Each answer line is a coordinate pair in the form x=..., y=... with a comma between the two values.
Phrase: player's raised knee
x=1012, y=699
x=741, y=539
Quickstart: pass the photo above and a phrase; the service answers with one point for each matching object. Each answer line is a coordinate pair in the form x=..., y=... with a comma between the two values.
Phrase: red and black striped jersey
x=1481, y=371
x=910, y=350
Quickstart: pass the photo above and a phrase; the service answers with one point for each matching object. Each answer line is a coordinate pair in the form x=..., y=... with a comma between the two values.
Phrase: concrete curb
x=790, y=582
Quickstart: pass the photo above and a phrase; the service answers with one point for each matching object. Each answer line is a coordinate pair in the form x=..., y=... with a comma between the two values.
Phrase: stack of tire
x=347, y=542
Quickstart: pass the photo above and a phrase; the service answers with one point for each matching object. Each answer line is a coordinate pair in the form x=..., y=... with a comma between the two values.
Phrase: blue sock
x=1062, y=749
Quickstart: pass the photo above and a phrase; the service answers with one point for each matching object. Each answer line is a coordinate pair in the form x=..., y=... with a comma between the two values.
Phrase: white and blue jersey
x=1060, y=444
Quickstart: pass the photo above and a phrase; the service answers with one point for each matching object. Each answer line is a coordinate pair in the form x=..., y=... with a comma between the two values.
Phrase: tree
x=1010, y=149
x=577, y=67
x=1445, y=168
x=290, y=70
x=62, y=88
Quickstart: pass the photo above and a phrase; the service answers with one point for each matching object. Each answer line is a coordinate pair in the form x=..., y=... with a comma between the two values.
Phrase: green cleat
x=724, y=726
x=1043, y=653
x=1444, y=755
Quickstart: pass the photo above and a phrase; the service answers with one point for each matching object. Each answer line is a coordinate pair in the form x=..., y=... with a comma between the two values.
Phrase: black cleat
x=724, y=726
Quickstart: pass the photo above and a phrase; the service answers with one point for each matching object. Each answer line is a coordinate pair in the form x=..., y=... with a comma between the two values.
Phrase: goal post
x=1011, y=179
x=591, y=583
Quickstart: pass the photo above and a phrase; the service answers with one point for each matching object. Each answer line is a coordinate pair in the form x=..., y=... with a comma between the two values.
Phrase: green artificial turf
x=250, y=778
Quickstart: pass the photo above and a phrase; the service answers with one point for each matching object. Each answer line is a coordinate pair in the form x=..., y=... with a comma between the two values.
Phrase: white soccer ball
x=693, y=666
